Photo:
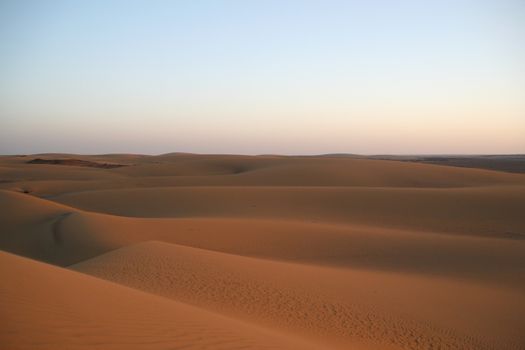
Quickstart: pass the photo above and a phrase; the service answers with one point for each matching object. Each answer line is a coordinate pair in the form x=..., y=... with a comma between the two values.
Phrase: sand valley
x=186, y=251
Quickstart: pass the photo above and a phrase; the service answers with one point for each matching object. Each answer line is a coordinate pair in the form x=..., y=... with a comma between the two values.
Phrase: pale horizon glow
x=262, y=77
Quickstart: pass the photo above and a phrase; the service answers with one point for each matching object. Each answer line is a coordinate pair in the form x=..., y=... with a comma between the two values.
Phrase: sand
x=225, y=251
x=46, y=307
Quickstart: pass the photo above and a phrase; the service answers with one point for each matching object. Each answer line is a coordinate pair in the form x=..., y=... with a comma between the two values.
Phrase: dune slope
x=62, y=235
x=226, y=251
x=487, y=211
x=36, y=228
x=228, y=170
x=345, y=306
x=45, y=307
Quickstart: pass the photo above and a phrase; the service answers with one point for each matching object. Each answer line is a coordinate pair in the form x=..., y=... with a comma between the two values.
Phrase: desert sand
x=181, y=251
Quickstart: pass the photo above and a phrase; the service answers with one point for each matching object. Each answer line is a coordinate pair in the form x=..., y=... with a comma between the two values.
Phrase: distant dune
x=265, y=252
x=75, y=162
x=514, y=163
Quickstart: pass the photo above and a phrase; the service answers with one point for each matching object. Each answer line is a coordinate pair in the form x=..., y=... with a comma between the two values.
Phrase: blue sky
x=255, y=77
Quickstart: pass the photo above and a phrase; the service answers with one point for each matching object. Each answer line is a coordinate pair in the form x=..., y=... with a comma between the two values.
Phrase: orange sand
x=227, y=252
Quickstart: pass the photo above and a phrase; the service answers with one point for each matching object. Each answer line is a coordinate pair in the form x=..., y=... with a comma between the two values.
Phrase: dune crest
x=265, y=252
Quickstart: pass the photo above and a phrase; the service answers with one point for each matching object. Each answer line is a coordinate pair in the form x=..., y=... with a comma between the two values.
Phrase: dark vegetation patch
x=76, y=162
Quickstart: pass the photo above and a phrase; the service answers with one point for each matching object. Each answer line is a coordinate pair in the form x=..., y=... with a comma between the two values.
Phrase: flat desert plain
x=183, y=251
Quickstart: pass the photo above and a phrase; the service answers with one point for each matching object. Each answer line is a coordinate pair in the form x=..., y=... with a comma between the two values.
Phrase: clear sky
x=251, y=77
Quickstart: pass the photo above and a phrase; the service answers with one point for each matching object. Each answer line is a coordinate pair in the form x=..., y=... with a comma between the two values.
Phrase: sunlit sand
x=259, y=252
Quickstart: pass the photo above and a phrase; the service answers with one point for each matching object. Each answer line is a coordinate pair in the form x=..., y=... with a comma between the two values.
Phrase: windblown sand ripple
x=268, y=252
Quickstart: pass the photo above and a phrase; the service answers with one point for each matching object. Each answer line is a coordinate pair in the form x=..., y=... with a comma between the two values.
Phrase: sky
x=260, y=77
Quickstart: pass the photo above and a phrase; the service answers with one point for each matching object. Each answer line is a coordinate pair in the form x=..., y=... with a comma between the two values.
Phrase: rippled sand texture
x=235, y=252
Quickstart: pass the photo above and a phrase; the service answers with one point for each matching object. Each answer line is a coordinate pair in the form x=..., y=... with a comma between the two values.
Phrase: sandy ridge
x=75, y=311
x=347, y=252
x=346, y=306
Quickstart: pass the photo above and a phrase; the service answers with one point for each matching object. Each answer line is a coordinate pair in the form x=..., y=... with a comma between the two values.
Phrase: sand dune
x=63, y=235
x=74, y=162
x=279, y=171
x=488, y=211
x=201, y=170
x=46, y=307
x=34, y=228
x=352, y=305
x=270, y=251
